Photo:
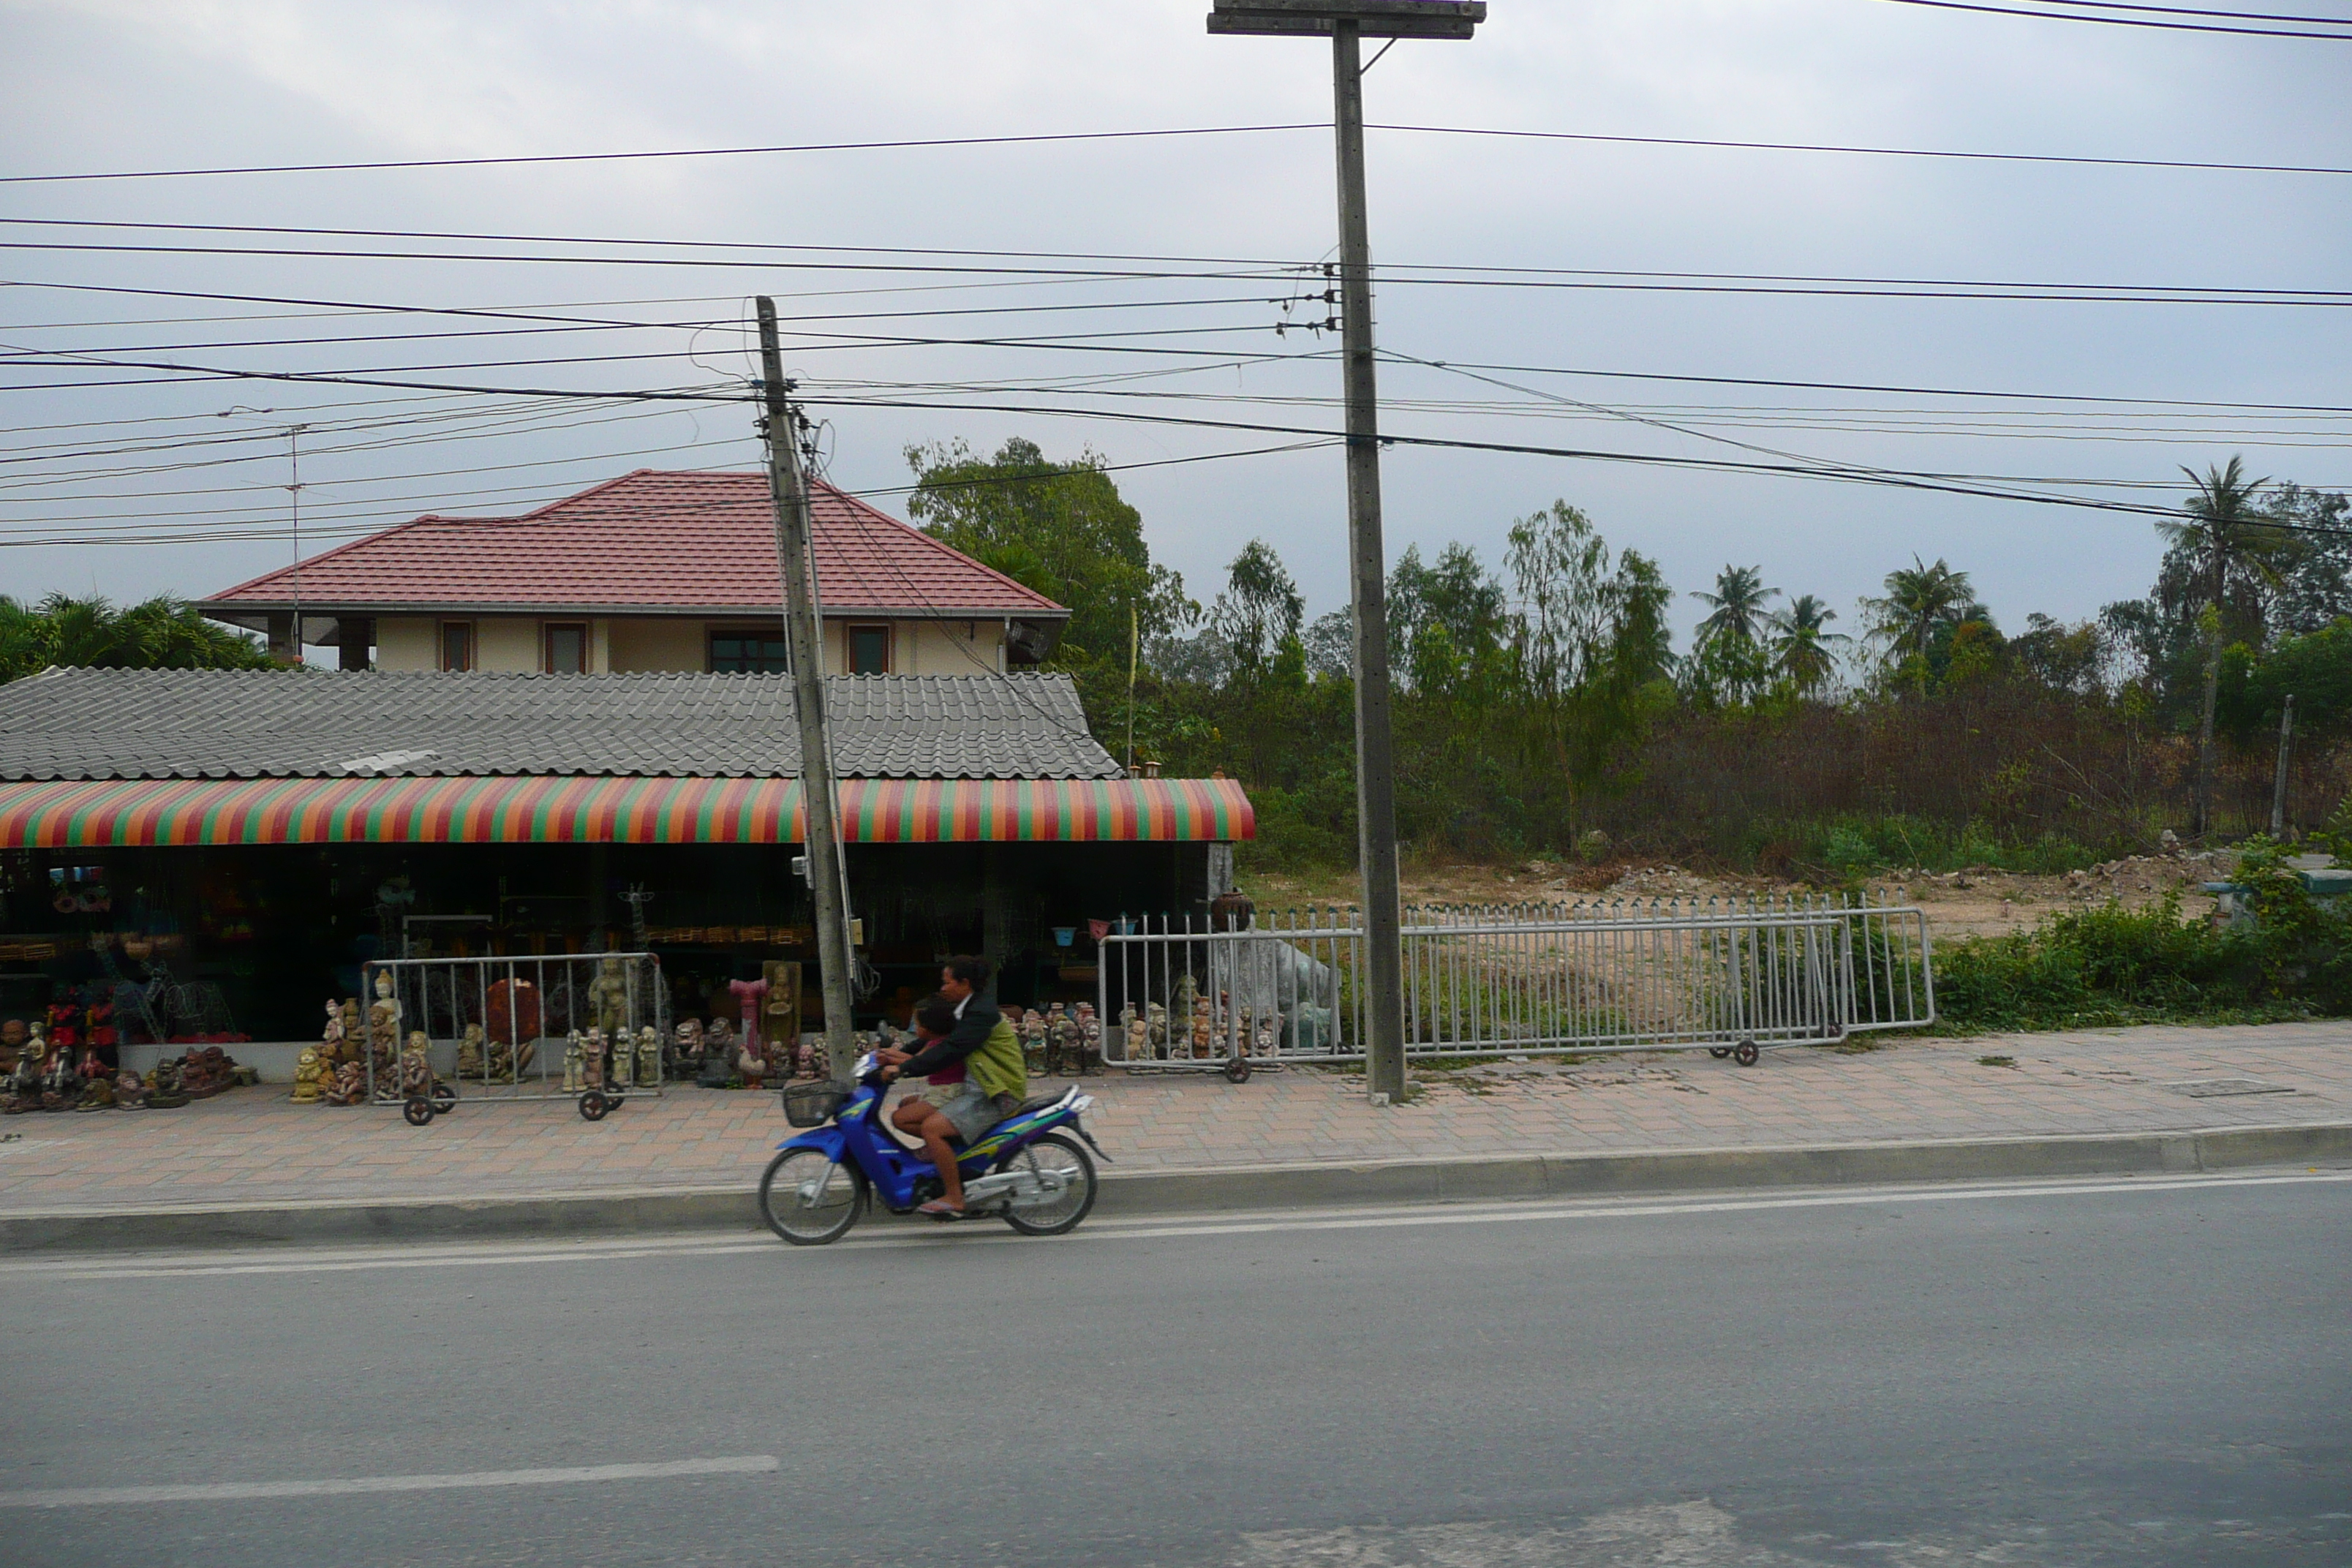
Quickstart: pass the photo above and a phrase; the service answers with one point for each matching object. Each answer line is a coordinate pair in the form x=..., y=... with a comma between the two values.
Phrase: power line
x=1164, y=267
x=2145, y=22
x=1207, y=131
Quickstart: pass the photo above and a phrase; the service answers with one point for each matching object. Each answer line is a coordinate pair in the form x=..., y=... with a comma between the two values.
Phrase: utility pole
x=1349, y=23
x=804, y=642
x=2278, y=791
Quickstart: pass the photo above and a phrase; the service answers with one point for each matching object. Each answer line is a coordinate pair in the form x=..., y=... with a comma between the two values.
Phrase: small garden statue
x=416, y=1066
x=164, y=1085
x=650, y=1058
x=310, y=1076
x=608, y=997
x=575, y=1070
x=331, y=1039
x=97, y=1093
x=469, y=1052
x=1156, y=1026
x=130, y=1091
x=1090, y=1039
x=349, y=1087
x=1139, y=1035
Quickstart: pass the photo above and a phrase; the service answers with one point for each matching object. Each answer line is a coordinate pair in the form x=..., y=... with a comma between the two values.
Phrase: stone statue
x=686, y=1042
x=163, y=1086
x=747, y=1061
x=25, y=1083
x=1066, y=1041
x=13, y=1037
x=575, y=1071
x=1204, y=1032
x=130, y=1091
x=469, y=1052
x=350, y=1086
x=416, y=1066
x=608, y=998
x=97, y=1093
x=1156, y=1023
x=650, y=1058
x=384, y=1036
x=1267, y=1036
x=1139, y=1036
x=1188, y=992
x=748, y=996
x=61, y=1085
x=310, y=1076
x=331, y=1039
x=1090, y=1039
x=1032, y=1042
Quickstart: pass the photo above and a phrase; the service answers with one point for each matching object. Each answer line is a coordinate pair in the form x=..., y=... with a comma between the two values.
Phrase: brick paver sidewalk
x=252, y=1145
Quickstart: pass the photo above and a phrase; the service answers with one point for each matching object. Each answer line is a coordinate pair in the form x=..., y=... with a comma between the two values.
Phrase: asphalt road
x=2147, y=1371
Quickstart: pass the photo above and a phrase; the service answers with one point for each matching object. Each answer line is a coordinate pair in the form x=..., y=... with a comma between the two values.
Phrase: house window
x=870, y=650
x=456, y=645
x=749, y=653
x=567, y=648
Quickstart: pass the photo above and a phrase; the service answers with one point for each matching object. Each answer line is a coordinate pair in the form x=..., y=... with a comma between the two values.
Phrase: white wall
x=406, y=645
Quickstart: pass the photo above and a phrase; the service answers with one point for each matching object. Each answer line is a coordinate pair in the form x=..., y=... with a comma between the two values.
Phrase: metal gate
x=502, y=1027
x=1650, y=975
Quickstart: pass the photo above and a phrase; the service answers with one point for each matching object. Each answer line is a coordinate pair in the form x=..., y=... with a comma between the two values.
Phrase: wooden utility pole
x=2278, y=790
x=1349, y=23
x=805, y=644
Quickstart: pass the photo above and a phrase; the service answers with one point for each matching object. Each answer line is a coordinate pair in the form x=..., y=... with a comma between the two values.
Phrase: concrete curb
x=1228, y=1188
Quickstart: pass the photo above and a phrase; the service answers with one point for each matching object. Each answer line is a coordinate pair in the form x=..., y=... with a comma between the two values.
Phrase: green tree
x=1260, y=612
x=158, y=634
x=1921, y=603
x=1587, y=641
x=2229, y=538
x=1727, y=658
x=1802, y=651
x=1063, y=529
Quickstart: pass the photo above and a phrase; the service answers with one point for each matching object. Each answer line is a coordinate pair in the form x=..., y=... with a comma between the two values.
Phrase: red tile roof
x=645, y=543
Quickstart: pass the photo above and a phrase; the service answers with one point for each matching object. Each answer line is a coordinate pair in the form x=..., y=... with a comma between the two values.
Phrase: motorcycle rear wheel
x=1061, y=1155
x=840, y=1198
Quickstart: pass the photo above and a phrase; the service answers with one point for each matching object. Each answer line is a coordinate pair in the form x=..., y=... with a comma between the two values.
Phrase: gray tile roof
x=207, y=723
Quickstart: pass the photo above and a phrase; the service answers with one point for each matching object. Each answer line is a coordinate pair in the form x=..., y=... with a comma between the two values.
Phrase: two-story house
x=650, y=571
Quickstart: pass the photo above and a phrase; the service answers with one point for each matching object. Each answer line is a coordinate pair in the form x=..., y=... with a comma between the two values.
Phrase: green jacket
x=996, y=1065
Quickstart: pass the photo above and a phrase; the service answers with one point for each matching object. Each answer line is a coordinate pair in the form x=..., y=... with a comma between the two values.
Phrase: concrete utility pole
x=2278, y=791
x=1349, y=23
x=805, y=642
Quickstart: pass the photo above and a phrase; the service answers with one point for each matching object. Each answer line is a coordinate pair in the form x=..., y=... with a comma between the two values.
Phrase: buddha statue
x=163, y=1087
x=310, y=1076
x=416, y=1066
x=469, y=1052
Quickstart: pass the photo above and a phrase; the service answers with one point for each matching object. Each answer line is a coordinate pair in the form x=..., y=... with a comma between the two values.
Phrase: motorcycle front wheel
x=1062, y=1157
x=808, y=1199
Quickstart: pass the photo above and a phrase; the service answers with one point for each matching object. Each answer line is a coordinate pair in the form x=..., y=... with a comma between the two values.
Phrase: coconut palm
x=1736, y=611
x=1920, y=602
x=1801, y=654
x=2233, y=544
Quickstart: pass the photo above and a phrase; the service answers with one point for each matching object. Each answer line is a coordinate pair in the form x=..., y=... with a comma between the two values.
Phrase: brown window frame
x=547, y=631
x=849, y=647
x=473, y=646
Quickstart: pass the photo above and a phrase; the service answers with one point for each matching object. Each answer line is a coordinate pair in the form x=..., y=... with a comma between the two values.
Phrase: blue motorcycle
x=1028, y=1170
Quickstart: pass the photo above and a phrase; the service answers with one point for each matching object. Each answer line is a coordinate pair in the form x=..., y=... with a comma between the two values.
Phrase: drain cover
x=2214, y=1088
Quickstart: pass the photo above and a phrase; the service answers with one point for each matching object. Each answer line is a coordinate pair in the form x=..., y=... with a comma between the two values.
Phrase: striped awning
x=137, y=813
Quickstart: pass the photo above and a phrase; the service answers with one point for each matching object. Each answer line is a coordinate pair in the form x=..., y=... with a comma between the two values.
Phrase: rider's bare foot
x=939, y=1208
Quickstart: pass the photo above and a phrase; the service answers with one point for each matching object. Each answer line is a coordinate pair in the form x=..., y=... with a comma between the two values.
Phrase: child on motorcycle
x=952, y=1031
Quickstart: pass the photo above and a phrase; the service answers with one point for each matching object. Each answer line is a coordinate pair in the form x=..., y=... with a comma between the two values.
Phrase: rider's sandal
x=939, y=1208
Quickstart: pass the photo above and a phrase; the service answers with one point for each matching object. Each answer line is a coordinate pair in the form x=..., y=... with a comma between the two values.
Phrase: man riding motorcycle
x=995, y=1082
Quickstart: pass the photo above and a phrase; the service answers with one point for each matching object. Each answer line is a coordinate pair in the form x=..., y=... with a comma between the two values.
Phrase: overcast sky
x=95, y=85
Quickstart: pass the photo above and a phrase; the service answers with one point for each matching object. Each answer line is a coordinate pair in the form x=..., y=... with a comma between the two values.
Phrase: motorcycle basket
x=812, y=1104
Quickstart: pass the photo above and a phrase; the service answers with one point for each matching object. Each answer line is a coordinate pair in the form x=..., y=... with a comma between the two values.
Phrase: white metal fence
x=1646, y=975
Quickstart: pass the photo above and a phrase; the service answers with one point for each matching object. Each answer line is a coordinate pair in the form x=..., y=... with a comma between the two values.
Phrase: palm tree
x=2222, y=531
x=1737, y=613
x=1920, y=601
x=1800, y=652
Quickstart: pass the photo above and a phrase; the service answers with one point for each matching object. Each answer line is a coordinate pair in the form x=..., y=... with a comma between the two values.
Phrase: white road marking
x=477, y=1255
x=343, y=1486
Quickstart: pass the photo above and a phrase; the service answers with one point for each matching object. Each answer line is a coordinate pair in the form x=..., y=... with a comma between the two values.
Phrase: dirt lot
x=1974, y=902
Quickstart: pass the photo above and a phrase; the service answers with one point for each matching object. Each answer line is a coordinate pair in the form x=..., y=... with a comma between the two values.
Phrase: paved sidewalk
x=253, y=1146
